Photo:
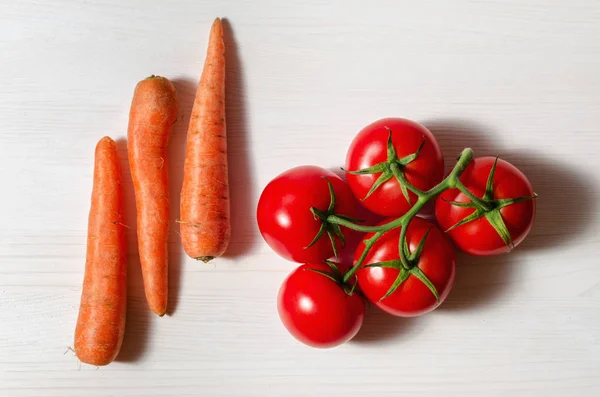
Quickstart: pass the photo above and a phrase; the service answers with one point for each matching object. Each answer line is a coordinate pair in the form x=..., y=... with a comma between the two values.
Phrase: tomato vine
x=486, y=206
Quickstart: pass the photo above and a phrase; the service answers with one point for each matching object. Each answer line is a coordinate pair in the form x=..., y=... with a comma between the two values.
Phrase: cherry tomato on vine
x=433, y=262
x=509, y=210
x=317, y=310
x=369, y=161
x=285, y=219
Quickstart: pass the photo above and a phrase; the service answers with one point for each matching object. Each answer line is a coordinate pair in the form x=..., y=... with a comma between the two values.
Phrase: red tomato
x=284, y=217
x=412, y=297
x=316, y=310
x=370, y=148
x=479, y=237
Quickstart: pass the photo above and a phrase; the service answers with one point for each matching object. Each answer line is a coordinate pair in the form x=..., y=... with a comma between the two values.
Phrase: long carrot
x=205, y=221
x=154, y=109
x=101, y=321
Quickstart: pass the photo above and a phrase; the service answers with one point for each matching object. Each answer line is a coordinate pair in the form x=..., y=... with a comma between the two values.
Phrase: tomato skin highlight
x=478, y=237
x=412, y=298
x=284, y=216
x=316, y=310
x=369, y=148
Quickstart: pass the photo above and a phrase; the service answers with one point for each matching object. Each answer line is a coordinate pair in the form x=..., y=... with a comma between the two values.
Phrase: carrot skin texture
x=101, y=321
x=205, y=224
x=154, y=110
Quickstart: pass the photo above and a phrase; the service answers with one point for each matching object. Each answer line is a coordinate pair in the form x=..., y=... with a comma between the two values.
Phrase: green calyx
x=336, y=276
x=392, y=167
x=488, y=207
x=332, y=230
x=408, y=269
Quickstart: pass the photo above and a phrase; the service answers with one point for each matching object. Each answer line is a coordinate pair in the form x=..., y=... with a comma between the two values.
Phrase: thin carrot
x=154, y=109
x=101, y=322
x=205, y=221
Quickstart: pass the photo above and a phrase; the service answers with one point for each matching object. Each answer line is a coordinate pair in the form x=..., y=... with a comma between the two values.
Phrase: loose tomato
x=369, y=150
x=513, y=221
x=284, y=213
x=318, y=311
x=412, y=297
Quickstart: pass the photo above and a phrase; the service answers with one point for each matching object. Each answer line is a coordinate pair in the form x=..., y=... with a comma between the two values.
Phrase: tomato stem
x=404, y=182
x=351, y=225
x=451, y=181
x=481, y=203
x=368, y=245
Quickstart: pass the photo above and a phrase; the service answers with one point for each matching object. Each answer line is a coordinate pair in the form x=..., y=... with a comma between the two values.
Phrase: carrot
x=101, y=321
x=205, y=221
x=154, y=109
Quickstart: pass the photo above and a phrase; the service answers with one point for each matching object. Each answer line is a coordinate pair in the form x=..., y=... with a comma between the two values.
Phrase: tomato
x=412, y=297
x=479, y=237
x=369, y=148
x=284, y=212
x=316, y=310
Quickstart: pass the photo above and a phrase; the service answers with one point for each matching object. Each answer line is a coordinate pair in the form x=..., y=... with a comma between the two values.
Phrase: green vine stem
x=394, y=167
x=471, y=196
x=451, y=181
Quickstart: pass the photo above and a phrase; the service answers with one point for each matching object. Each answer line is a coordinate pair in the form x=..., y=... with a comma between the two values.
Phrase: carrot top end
x=205, y=259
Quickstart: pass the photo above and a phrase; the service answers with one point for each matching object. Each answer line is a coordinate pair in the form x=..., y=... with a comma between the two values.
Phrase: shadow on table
x=138, y=324
x=380, y=327
x=186, y=92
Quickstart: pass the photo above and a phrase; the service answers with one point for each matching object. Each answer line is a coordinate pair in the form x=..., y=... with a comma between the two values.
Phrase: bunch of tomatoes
x=405, y=264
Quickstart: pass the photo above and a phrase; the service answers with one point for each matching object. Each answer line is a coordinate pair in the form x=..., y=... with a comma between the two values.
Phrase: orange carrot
x=154, y=109
x=101, y=321
x=205, y=222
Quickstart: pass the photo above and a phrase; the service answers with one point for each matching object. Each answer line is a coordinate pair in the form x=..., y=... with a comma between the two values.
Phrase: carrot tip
x=205, y=259
x=106, y=139
x=159, y=311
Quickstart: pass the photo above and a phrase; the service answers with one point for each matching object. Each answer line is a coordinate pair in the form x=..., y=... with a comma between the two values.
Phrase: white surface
x=518, y=78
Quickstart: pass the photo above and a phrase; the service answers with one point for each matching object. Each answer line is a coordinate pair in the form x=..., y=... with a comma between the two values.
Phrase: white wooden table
x=519, y=78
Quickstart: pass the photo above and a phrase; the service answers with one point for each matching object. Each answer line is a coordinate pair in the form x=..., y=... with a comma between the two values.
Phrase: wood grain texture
x=515, y=78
